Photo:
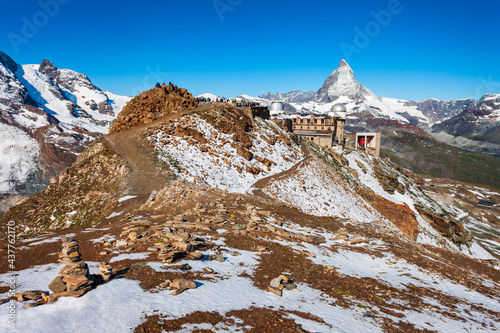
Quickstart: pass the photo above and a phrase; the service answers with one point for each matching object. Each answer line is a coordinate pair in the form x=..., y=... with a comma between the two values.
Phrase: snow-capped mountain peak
x=344, y=63
x=54, y=113
x=342, y=82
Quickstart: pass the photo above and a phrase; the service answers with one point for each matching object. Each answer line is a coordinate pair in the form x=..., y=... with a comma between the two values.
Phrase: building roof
x=312, y=133
x=484, y=202
x=308, y=115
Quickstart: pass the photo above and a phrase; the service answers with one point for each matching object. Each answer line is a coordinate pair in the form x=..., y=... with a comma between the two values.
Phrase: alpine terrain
x=194, y=216
x=47, y=117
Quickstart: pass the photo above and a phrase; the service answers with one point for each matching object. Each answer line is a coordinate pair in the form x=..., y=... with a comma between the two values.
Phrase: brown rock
x=57, y=285
x=68, y=262
x=70, y=251
x=275, y=291
x=76, y=280
x=402, y=216
x=194, y=256
x=31, y=305
x=75, y=271
x=183, y=284
x=184, y=247
x=178, y=292
x=31, y=295
x=78, y=287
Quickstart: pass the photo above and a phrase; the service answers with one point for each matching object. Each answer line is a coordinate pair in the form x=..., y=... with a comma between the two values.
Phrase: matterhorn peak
x=344, y=63
x=342, y=83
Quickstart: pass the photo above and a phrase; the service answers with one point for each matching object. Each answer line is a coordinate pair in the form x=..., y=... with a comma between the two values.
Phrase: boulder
x=183, y=284
x=57, y=285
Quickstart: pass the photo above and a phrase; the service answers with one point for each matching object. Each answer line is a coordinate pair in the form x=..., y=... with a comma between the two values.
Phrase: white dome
x=339, y=111
x=277, y=107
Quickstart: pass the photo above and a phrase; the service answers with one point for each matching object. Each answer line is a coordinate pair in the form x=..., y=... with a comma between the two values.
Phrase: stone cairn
x=74, y=278
x=105, y=271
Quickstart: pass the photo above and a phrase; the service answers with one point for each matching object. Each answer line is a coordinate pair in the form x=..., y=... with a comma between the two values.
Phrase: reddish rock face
x=402, y=216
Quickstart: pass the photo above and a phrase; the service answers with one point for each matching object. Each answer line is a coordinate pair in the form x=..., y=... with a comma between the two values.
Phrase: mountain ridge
x=55, y=113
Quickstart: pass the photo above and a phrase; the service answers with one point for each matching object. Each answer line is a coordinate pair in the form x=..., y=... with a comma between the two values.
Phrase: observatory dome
x=276, y=107
x=339, y=111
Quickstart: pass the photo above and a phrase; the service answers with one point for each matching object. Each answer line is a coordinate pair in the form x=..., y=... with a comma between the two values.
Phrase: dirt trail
x=262, y=183
x=145, y=174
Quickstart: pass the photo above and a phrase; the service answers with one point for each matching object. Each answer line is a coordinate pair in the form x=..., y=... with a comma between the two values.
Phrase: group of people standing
x=158, y=85
x=210, y=100
x=233, y=101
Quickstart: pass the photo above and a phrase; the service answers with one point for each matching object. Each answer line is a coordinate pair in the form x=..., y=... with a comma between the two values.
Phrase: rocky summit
x=196, y=216
x=153, y=104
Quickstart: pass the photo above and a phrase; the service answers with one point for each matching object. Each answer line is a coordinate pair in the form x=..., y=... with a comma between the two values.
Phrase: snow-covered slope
x=416, y=200
x=295, y=96
x=59, y=110
x=319, y=191
x=208, y=95
x=19, y=153
x=216, y=159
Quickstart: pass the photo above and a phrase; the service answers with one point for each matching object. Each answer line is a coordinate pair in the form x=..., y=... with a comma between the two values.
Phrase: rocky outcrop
x=388, y=179
x=402, y=216
x=153, y=104
x=48, y=68
x=7, y=61
x=66, y=78
x=11, y=88
x=446, y=226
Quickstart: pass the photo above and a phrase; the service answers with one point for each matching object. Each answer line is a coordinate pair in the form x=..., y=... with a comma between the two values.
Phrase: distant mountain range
x=466, y=123
x=295, y=96
x=476, y=129
x=341, y=87
x=417, y=135
x=47, y=117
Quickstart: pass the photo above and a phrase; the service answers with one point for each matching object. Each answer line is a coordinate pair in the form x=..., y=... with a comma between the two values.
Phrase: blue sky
x=404, y=49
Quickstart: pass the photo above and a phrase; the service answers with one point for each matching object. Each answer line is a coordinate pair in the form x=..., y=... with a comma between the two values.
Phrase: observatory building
x=326, y=130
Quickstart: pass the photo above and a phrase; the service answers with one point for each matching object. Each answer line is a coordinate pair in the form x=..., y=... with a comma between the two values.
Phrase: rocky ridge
x=475, y=129
x=152, y=105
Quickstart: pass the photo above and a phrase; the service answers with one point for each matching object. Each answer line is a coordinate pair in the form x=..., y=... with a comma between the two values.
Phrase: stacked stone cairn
x=74, y=278
x=105, y=271
x=280, y=283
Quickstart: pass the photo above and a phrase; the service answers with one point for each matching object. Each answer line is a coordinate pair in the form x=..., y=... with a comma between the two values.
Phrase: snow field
x=317, y=190
x=223, y=169
x=127, y=303
x=19, y=154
